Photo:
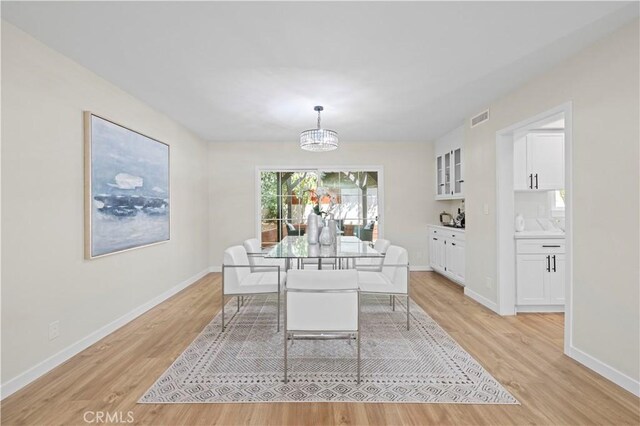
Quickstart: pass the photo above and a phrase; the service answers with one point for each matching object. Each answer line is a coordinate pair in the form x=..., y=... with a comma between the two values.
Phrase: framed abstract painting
x=127, y=194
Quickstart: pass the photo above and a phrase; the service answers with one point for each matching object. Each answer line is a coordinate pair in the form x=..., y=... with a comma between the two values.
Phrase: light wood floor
x=524, y=353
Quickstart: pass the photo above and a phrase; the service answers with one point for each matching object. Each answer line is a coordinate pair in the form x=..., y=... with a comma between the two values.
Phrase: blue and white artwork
x=129, y=189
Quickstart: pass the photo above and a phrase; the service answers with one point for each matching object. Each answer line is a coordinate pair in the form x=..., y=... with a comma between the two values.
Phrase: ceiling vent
x=480, y=118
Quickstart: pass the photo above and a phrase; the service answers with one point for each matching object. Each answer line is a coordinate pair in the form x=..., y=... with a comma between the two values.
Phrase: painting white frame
x=88, y=186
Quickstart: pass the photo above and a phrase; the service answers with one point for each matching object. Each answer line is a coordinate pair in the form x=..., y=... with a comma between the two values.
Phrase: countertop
x=447, y=228
x=539, y=234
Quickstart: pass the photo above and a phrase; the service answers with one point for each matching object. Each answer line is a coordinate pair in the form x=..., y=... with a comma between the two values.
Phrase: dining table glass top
x=297, y=247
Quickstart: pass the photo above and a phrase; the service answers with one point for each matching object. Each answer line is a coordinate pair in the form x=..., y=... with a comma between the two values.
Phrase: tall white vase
x=325, y=236
x=312, y=228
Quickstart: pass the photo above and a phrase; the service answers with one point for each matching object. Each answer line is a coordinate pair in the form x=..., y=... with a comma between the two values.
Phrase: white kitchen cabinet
x=449, y=178
x=540, y=273
x=450, y=165
x=437, y=253
x=447, y=252
x=556, y=280
x=539, y=162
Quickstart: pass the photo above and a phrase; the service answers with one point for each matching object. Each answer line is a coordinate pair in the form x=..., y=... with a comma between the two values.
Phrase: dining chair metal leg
x=408, y=292
x=390, y=300
x=285, y=333
x=238, y=300
x=358, y=361
x=278, y=295
x=358, y=337
x=394, y=303
x=285, y=356
x=222, y=297
x=408, y=303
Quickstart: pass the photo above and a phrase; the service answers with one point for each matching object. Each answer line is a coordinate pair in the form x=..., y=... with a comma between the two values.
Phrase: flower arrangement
x=320, y=196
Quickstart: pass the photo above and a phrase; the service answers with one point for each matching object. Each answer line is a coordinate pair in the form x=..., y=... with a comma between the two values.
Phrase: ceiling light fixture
x=319, y=139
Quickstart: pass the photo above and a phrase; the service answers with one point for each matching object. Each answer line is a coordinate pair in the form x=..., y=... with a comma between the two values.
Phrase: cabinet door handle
x=461, y=181
x=536, y=181
x=554, y=263
x=453, y=244
x=435, y=239
x=530, y=181
x=548, y=263
x=549, y=246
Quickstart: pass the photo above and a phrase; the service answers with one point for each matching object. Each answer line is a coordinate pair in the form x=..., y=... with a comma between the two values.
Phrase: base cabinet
x=540, y=276
x=447, y=252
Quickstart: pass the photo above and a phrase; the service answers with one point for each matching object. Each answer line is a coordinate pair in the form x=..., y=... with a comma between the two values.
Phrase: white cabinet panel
x=447, y=252
x=531, y=277
x=458, y=260
x=538, y=162
x=540, y=274
x=437, y=253
x=450, y=165
x=545, y=160
x=556, y=279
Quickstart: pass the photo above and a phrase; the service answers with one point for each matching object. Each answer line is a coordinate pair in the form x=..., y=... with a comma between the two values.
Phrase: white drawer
x=451, y=234
x=545, y=246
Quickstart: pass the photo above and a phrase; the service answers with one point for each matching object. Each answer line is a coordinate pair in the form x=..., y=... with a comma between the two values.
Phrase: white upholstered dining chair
x=374, y=263
x=238, y=279
x=257, y=257
x=392, y=280
x=322, y=304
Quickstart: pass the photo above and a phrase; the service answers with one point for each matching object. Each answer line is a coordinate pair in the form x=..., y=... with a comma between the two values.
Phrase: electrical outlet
x=485, y=208
x=54, y=330
x=489, y=282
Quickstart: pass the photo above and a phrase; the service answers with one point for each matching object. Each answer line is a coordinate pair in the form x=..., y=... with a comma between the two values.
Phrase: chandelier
x=319, y=139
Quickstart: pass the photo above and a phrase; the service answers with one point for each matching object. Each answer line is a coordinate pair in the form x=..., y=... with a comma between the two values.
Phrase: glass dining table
x=344, y=252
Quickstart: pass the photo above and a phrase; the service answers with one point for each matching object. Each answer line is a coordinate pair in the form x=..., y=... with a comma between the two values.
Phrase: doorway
x=515, y=179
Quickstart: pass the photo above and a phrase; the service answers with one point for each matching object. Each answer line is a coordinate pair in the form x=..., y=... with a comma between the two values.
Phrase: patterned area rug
x=245, y=363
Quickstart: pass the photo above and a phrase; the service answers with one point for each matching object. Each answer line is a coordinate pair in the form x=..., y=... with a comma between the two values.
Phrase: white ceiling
x=384, y=71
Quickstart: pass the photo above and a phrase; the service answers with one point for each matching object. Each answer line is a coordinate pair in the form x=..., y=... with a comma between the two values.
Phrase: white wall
x=408, y=188
x=602, y=83
x=44, y=276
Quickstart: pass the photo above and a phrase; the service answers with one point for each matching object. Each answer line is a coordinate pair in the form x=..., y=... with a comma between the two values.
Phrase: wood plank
x=523, y=352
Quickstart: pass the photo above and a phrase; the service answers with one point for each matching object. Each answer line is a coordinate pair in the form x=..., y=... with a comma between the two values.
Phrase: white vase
x=519, y=223
x=333, y=228
x=312, y=228
x=325, y=236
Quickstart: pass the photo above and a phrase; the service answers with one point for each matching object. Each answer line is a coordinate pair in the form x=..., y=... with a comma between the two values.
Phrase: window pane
x=269, y=231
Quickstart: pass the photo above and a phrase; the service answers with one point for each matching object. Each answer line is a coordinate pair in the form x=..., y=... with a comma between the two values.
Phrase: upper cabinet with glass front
x=450, y=165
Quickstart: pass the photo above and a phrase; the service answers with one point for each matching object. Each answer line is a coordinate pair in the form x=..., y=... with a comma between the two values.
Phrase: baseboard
x=539, y=308
x=215, y=268
x=420, y=268
x=605, y=370
x=50, y=363
x=481, y=299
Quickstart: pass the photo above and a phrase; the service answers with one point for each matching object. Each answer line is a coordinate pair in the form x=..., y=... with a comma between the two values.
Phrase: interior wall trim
x=40, y=369
x=605, y=370
x=481, y=299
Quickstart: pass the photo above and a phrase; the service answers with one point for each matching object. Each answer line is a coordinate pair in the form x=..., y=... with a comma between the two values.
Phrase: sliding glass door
x=351, y=197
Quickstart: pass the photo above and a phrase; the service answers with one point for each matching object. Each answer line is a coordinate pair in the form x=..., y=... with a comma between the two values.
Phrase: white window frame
x=330, y=169
x=553, y=210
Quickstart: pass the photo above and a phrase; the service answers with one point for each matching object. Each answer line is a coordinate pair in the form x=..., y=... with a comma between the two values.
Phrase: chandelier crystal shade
x=319, y=139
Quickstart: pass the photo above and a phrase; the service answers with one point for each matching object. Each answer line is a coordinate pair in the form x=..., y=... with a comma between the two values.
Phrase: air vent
x=480, y=118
